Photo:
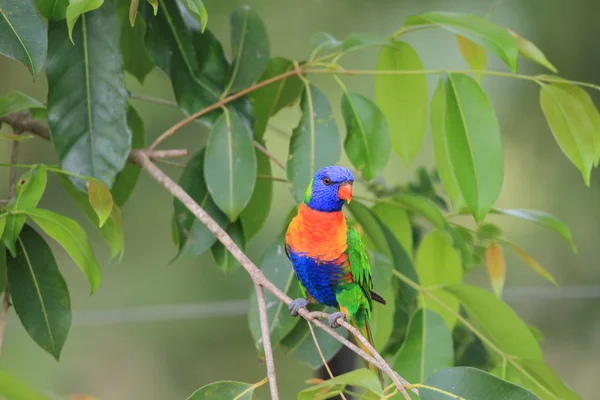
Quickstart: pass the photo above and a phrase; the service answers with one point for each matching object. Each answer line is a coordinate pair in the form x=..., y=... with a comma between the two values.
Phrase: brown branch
x=266, y=336
x=314, y=337
x=174, y=153
x=21, y=122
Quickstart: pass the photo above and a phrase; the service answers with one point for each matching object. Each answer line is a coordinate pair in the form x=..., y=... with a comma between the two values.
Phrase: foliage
x=419, y=254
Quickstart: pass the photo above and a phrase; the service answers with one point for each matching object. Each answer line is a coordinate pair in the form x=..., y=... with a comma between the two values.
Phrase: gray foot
x=334, y=317
x=296, y=305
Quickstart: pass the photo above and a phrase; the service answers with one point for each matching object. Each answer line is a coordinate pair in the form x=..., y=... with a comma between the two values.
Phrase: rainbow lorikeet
x=328, y=255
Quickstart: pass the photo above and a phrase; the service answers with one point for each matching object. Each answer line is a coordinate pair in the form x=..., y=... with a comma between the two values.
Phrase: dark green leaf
x=367, y=143
x=194, y=237
x=426, y=349
x=135, y=56
x=199, y=12
x=16, y=101
x=382, y=316
x=315, y=142
x=230, y=164
x=87, y=99
x=530, y=50
x=53, y=10
x=256, y=212
x=39, y=292
x=250, y=48
x=126, y=180
x=470, y=384
x=362, y=378
x=494, y=38
x=538, y=377
x=78, y=8
x=3, y=257
x=13, y=389
x=222, y=256
x=23, y=34
x=224, y=390
x=474, y=145
x=100, y=199
x=71, y=236
x=322, y=41
x=355, y=41
x=544, y=219
x=268, y=100
x=473, y=54
x=402, y=98
x=396, y=218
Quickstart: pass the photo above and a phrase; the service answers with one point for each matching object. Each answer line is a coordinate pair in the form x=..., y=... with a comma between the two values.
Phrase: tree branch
x=266, y=336
x=21, y=122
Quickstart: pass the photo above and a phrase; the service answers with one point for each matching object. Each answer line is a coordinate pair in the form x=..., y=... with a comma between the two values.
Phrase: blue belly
x=321, y=280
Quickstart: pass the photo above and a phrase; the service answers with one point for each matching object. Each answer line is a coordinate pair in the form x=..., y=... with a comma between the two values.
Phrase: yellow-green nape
x=308, y=193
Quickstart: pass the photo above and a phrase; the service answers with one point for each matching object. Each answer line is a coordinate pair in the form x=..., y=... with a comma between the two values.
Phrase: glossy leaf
x=498, y=321
x=256, y=212
x=531, y=51
x=270, y=99
x=541, y=379
x=222, y=256
x=426, y=349
x=362, y=378
x=230, y=164
x=250, y=48
x=224, y=390
x=438, y=263
x=194, y=237
x=494, y=38
x=71, y=236
x=199, y=12
x=77, y=8
x=53, y=10
x=87, y=99
x=402, y=98
x=135, y=55
x=23, y=34
x=474, y=144
x=470, y=384
x=322, y=41
x=16, y=101
x=533, y=264
x=13, y=389
x=496, y=268
x=355, y=41
x=473, y=54
x=315, y=142
x=544, y=219
x=367, y=142
x=100, y=199
x=424, y=207
x=396, y=218
x=39, y=292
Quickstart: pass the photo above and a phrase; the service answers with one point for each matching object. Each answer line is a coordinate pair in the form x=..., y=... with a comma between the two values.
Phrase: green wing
x=359, y=262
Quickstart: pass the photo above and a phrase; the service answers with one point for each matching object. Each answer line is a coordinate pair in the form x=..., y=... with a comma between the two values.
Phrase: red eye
x=327, y=181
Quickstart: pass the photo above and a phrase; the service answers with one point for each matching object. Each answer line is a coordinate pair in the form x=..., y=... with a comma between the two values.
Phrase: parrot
x=328, y=255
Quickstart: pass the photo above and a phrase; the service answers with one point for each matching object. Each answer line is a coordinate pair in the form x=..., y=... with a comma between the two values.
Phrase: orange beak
x=345, y=192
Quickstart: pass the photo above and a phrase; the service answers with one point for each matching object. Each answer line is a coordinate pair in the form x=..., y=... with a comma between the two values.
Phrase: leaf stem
x=152, y=99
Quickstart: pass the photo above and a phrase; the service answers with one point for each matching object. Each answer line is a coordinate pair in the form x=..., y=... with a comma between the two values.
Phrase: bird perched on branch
x=328, y=255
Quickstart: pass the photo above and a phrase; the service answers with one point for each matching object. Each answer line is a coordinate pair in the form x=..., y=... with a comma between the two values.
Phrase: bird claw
x=296, y=305
x=334, y=317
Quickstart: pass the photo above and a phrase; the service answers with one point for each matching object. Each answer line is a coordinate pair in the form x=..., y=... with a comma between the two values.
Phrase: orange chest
x=318, y=234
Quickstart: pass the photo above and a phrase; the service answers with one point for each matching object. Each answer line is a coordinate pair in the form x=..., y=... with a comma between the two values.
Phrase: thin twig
x=269, y=154
x=173, y=153
x=271, y=178
x=266, y=336
x=152, y=99
x=22, y=122
x=314, y=337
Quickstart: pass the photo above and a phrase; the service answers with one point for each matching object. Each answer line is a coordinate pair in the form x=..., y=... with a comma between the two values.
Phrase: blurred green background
x=168, y=355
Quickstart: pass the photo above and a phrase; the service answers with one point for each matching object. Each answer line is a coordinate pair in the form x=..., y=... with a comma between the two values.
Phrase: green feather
x=359, y=264
x=308, y=193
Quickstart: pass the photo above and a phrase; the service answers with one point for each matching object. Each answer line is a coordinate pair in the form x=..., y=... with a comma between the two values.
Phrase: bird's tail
x=363, y=326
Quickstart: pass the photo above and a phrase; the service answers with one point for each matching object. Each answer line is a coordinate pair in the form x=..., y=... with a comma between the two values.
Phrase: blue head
x=328, y=190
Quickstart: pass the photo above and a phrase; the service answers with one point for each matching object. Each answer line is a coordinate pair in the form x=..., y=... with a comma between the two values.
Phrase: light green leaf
x=224, y=390
x=39, y=292
x=16, y=101
x=13, y=389
x=78, y=7
x=494, y=38
x=438, y=263
x=154, y=4
x=474, y=144
x=136, y=59
x=531, y=51
x=473, y=54
x=382, y=319
x=223, y=258
x=199, y=12
x=100, y=199
x=367, y=142
x=256, y=212
x=362, y=378
x=71, y=236
x=355, y=41
x=23, y=34
x=230, y=164
x=402, y=98
x=53, y=10
x=541, y=379
x=424, y=207
x=396, y=218
x=250, y=48
x=322, y=41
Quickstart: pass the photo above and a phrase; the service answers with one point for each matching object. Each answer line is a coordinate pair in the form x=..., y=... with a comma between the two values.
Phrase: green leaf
x=367, y=143
x=23, y=34
x=426, y=349
x=16, y=101
x=402, y=98
x=541, y=379
x=498, y=321
x=136, y=59
x=133, y=10
x=544, y=219
x=492, y=37
x=39, y=292
x=53, y=10
x=16, y=138
x=13, y=389
x=362, y=378
x=270, y=99
x=256, y=212
x=474, y=145
x=496, y=268
x=470, y=384
x=382, y=320
x=222, y=256
x=77, y=8
x=3, y=257
x=100, y=199
x=438, y=263
x=424, y=207
x=87, y=106
x=473, y=54
x=530, y=50
x=322, y=41
x=575, y=124
x=154, y=4
x=355, y=41
x=230, y=164
x=194, y=237
x=71, y=236
x=127, y=179
x=224, y=390
x=398, y=221
x=250, y=47
x=199, y=12
x=276, y=267
x=315, y=142
x=381, y=269
x=533, y=264
x=29, y=190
